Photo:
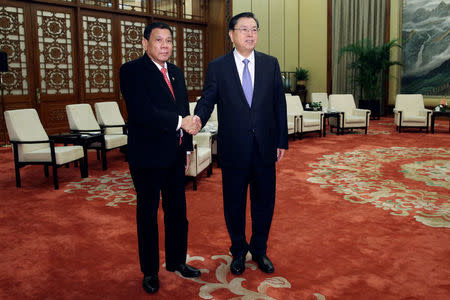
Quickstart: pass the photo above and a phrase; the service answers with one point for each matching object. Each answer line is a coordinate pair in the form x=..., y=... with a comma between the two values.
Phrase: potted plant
x=301, y=75
x=369, y=64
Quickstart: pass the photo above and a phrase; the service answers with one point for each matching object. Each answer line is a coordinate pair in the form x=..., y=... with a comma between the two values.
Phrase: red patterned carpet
x=357, y=217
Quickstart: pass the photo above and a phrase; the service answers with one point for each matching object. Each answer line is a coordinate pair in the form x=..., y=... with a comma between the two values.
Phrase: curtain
x=353, y=20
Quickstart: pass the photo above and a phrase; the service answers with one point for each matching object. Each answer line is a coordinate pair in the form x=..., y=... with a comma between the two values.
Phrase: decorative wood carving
x=193, y=58
x=55, y=47
x=98, y=62
x=12, y=41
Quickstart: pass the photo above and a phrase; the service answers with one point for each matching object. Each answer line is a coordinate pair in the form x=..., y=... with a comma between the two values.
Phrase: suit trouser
x=148, y=183
x=235, y=181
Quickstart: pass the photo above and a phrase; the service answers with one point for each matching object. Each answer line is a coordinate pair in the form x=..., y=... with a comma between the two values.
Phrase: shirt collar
x=251, y=57
x=159, y=66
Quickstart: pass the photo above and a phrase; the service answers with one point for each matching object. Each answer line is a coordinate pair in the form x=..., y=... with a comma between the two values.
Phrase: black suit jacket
x=153, y=113
x=239, y=124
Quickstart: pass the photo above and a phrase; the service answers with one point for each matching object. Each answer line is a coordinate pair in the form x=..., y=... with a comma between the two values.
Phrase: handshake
x=191, y=124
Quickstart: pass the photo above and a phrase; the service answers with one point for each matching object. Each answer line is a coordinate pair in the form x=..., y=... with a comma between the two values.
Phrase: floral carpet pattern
x=360, y=177
x=115, y=187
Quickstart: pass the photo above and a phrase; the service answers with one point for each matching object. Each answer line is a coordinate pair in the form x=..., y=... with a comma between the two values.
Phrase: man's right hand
x=191, y=124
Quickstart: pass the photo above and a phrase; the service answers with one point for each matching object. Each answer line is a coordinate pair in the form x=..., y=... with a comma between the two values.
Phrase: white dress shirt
x=180, y=118
x=168, y=76
x=240, y=65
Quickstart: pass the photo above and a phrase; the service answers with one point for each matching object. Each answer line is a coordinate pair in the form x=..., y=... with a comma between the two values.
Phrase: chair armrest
x=313, y=114
x=31, y=142
x=361, y=112
x=94, y=131
x=424, y=112
x=124, y=127
x=202, y=139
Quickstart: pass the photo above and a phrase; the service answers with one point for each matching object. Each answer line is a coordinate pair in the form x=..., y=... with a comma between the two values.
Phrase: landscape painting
x=426, y=47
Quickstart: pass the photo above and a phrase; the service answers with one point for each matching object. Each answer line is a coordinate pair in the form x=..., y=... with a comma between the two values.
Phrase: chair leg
x=210, y=169
x=365, y=130
x=46, y=171
x=55, y=176
x=83, y=169
x=18, y=183
x=194, y=183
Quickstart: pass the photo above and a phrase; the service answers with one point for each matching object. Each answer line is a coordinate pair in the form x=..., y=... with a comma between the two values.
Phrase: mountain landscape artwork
x=426, y=47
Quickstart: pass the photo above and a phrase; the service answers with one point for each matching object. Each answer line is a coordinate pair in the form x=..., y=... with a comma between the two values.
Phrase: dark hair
x=235, y=19
x=151, y=26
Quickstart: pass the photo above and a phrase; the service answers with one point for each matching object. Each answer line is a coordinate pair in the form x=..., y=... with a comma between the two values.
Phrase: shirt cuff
x=188, y=152
x=179, y=123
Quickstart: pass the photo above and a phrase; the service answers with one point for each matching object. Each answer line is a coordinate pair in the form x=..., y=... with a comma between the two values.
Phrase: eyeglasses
x=248, y=30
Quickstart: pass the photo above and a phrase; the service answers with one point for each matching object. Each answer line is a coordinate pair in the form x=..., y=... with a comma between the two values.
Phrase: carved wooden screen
x=165, y=7
x=98, y=63
x=12, y=41
x=132, y=33
x=193, y=57
x=102, y=3
x=131, y=39
x=134, y=5
x=55, y=55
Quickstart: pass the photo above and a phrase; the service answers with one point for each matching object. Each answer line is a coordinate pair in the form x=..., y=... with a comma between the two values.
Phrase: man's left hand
x=280, y=153
x=188, y=162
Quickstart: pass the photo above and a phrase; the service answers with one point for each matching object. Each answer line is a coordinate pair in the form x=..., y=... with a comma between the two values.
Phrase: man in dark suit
x=158, y=151
x=252, y=136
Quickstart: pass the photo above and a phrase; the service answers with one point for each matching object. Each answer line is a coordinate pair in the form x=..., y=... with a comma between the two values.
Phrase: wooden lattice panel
x=132, y=33
x=98, y=54
x=102, y=3
x=134, y=5
x=12, y=41
x=173, y=58
x=193, y=58
x=55, y=52
x=165, y=7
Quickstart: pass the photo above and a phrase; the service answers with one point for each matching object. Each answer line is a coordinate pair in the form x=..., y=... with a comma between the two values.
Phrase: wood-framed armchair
x=32, y=146
x=410, y=112
x=82, y=120
x=351, y=117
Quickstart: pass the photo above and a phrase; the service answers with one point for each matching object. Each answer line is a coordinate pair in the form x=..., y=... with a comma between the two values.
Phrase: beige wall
x=295, y=32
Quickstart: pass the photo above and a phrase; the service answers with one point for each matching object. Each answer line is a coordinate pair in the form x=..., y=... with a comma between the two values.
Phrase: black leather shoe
x=186, y=270
x=150, y=284
x=264, y=263
x=237, y=266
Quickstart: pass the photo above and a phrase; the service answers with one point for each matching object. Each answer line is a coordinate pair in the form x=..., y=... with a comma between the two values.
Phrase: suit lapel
x=257, y=87
x=153, y=68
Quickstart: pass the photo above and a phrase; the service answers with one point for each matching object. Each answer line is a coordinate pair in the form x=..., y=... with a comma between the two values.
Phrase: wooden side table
x=435, y=114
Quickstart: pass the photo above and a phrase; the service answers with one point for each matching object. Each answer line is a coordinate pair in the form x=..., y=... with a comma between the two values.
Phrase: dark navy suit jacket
x=153, y=112
x=240, y=124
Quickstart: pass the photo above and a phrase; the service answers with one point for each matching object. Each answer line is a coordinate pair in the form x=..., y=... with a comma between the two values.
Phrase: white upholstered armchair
x=201, y=156
x=350, y=116
x=31, y=145
x=82, y=120
x=300, y=121
x=410, y=111
x=109, y=117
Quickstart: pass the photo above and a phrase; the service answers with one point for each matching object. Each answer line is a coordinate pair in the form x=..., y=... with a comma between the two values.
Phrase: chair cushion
x=414, y=118
x=311, y=122
x=63, y=154
x=204, y=154
x=115, y=140
x=355, y=119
